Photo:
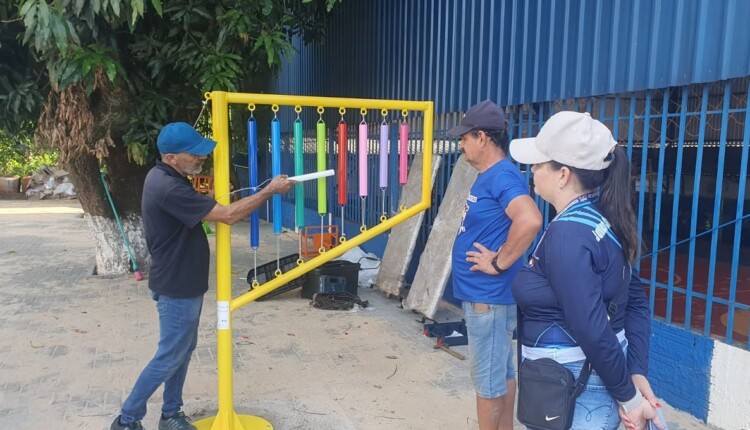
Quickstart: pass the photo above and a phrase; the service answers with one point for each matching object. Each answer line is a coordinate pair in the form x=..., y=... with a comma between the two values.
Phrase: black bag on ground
x=547, y=393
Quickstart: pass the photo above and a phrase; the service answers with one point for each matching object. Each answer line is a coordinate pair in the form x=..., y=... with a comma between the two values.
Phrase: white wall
x=729, y=397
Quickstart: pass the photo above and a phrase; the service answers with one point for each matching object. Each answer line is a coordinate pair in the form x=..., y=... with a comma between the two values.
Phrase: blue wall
x=680, y=367
x=460, y=52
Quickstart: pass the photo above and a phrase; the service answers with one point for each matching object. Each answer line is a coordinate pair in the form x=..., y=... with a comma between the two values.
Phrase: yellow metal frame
x=226, y=418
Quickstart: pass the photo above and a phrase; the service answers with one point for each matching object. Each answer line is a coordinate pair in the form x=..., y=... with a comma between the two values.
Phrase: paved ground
x=71, y=344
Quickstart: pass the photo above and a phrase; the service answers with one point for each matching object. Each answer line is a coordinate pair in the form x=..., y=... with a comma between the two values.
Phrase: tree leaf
x=61, y=36
x=111, y=71
x=26, y=7
x=137, y=6
x=115, y=7
x=157, y=6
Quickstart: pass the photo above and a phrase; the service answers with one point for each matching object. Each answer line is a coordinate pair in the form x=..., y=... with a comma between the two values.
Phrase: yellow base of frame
x=241, y=422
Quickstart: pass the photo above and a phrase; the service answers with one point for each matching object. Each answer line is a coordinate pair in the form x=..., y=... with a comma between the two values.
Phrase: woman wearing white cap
x=579, y=295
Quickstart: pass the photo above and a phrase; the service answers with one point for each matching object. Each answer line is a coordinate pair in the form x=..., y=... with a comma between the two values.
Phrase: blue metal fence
x=672, y=88
x=459, y=52
x=689, y=150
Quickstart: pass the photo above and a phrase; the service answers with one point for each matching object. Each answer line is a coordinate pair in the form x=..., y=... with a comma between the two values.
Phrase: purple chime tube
x=383, y=171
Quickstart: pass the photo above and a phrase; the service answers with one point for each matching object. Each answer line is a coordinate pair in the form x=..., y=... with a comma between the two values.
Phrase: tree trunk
x=125, y=180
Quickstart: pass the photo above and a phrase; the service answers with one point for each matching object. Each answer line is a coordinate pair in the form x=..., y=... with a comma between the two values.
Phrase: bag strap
x=583, y=377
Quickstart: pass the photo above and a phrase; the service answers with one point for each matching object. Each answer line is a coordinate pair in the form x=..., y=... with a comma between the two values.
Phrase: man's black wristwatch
x=496, y=267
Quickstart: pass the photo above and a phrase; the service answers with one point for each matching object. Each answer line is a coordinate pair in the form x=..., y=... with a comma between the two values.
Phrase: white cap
x=570, y=138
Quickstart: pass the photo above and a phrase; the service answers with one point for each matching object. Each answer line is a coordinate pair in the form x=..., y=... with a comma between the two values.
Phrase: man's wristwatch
x=496, y=267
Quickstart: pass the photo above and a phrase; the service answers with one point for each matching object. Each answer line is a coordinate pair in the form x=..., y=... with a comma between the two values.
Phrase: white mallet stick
x=309, y=176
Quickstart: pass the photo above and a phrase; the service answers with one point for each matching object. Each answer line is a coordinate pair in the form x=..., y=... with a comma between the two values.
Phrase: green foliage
x=19, y=157
x=143, y=63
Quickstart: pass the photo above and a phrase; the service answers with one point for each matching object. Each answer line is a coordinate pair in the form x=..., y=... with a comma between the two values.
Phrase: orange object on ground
x=313, y=239
x=203, y=184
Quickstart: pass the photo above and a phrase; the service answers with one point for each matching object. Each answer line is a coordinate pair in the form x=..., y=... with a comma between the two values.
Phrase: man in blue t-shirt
x=172, y=213
x=499, y=223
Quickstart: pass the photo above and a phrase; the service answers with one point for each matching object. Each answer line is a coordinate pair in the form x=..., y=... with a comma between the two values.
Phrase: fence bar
x=741, y=184
x=676, y=199
x=657, y=205
x=694, y=209
x=644, y=177
x=717, y=206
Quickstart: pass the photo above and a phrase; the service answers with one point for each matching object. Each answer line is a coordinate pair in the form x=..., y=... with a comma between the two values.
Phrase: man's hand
x=482, y=260
x=280, y=185
x=240, y=209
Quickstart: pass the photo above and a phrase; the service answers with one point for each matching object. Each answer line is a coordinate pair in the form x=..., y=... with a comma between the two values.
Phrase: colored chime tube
x=362, y=159
x=343, y=152
x=383, y=156
x=252, y=163
x=403, y=158
x=321, y=165
x=276, y=171
x=299, y=189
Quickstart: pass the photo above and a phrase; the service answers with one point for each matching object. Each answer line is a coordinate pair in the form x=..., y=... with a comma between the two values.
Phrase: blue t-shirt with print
x=484, y=221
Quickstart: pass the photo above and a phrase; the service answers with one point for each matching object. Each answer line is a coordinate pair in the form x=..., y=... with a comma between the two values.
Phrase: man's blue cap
x=179, y=137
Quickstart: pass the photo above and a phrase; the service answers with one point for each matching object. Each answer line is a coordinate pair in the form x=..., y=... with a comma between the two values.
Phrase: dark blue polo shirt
x=565, y=291
x=172, y=212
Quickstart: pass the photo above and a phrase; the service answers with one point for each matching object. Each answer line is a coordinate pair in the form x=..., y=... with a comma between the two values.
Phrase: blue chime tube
x=299, y=190
x=252, y=163
x=276, y=171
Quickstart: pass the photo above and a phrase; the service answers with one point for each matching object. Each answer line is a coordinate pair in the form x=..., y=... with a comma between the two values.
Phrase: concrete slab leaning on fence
x=403, y=237
x=435, y=263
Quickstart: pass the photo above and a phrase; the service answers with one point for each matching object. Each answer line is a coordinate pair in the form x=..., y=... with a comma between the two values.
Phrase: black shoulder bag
x=547, y=391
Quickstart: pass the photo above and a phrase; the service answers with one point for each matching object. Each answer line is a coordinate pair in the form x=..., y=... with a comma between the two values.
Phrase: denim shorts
x=491, y=348
x=596, y=409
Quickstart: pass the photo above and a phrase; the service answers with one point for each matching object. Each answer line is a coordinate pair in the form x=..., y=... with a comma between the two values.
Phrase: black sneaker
x=136, y=425
x=178, y=421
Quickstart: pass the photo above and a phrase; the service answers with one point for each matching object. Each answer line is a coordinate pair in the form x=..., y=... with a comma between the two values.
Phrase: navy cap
x=482, y=116
x=179, y=137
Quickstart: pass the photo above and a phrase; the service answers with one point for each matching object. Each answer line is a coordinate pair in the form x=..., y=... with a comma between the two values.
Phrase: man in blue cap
x=172, y=213
x=499, y=223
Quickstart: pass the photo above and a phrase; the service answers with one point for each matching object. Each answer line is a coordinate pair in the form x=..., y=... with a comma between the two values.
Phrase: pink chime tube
x=363, y=159
x=383, y=155
x=403, y=155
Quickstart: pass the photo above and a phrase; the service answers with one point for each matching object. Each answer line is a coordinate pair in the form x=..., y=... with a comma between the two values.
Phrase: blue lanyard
x=583, y=198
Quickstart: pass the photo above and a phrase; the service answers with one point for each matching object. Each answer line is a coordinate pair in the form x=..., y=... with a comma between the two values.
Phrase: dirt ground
x=72, y=344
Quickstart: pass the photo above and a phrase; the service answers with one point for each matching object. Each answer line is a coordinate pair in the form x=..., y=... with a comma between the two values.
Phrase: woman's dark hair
x=498, y=136
x=615, y=200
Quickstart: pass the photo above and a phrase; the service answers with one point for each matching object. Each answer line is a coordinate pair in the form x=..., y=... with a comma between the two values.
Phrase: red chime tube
x=343, y=153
